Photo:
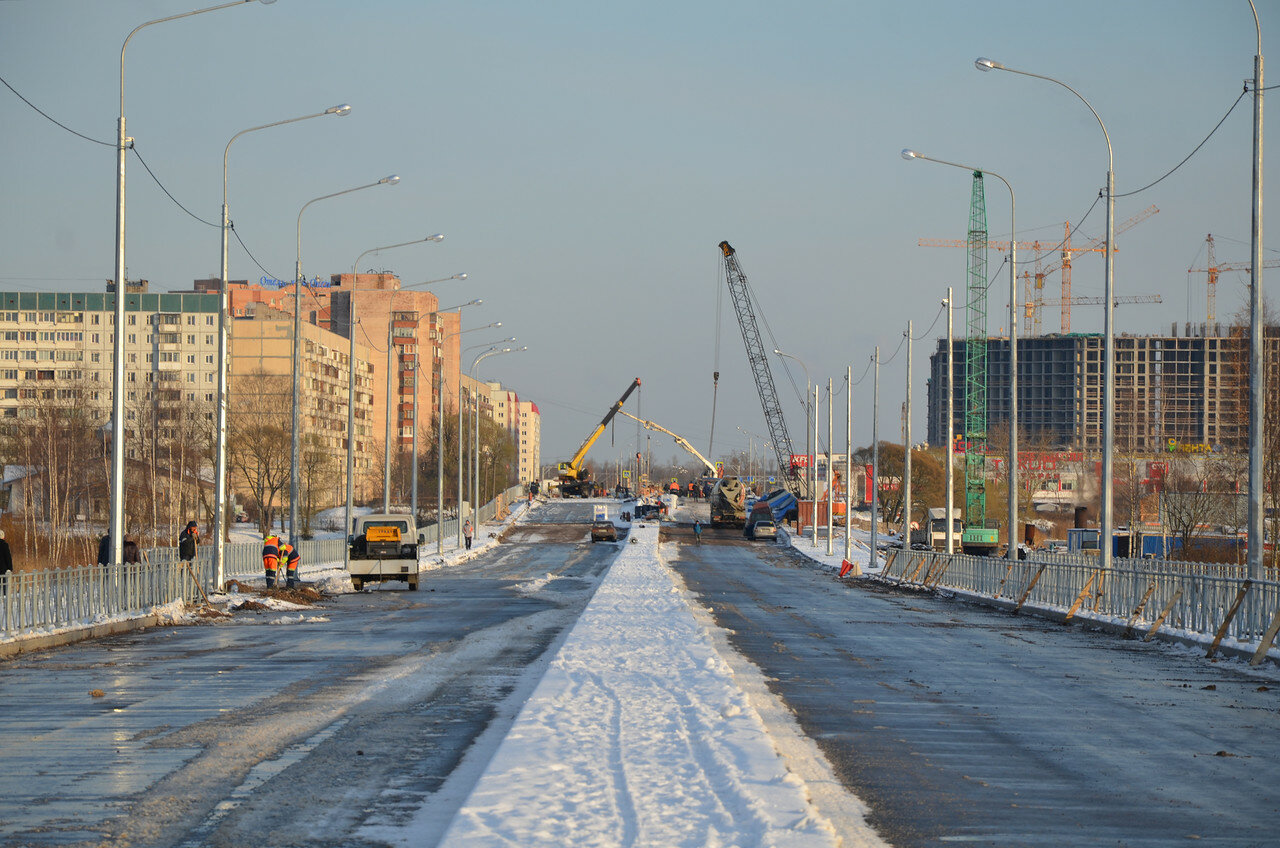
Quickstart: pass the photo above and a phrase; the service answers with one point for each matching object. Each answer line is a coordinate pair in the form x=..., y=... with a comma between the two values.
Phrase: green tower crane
x=979, y=536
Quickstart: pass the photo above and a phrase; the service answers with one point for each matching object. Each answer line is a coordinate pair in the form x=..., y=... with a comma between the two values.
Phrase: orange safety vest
x=291, y=558
x=270, y=553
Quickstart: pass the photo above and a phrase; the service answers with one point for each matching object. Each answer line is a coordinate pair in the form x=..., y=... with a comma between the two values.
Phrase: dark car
x=603, y=531
x=763, y=529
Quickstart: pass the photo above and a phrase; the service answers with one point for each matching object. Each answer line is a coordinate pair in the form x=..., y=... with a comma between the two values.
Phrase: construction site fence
x=1201, y=599
x=47, y=600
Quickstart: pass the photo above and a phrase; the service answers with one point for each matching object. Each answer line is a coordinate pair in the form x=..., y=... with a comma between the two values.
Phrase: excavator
x=709, y=468
x=573, y=474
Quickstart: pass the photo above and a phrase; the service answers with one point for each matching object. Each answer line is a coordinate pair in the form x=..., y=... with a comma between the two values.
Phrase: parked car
x=763, y=529
x=603, y=531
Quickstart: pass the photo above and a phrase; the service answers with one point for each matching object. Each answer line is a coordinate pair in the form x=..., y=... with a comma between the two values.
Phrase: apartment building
x=1188, y=389
x=60, y=347
x=529, y=440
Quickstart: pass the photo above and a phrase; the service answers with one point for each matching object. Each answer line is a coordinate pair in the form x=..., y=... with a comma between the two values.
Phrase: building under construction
x=1189, y=389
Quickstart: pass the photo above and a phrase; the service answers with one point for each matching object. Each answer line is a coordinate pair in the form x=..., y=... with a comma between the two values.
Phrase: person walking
x=187, y=541
x=291, y=558
x=104, y=550
x=271, y=558
x=131, y=553
x=467, y=533
x=6, y=556
x=697, y=532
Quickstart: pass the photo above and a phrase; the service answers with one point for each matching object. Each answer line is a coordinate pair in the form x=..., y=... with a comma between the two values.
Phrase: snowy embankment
x=639, y=733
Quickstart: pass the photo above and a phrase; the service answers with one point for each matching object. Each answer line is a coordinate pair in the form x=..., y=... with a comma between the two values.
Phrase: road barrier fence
x=37, y=601
x=1201, y=599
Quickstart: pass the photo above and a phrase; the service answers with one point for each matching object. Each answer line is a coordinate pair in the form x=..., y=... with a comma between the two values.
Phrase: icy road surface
x=957, y=724
x=289, y=728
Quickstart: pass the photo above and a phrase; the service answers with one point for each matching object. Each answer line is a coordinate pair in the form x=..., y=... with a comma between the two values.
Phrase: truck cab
x=384, y=547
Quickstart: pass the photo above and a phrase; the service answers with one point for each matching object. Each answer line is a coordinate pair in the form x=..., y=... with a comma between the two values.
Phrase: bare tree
x=258, y=446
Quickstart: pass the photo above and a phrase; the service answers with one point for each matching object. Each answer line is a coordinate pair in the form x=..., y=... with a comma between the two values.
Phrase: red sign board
x=799, y=460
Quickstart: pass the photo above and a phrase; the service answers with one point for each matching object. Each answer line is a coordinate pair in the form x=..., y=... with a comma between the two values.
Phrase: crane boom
x=680, y=440
x=570, y=472
x=760, y=366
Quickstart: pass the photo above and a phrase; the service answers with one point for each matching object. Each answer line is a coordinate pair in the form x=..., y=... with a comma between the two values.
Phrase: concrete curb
x=80, y=634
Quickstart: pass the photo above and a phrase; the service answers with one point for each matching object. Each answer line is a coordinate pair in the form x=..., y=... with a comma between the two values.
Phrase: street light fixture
x=116, y=529
x=1108, y=313
x=220, y=461
x=351, y=384
x=297, y=357
x=1012, y=552
x=440, y=459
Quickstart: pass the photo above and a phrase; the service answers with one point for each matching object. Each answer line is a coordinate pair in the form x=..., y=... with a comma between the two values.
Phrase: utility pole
x=875, y=456
x=906, y=455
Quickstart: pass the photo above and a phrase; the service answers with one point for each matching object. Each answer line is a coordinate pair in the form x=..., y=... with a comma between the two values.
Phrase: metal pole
x=460, y=402
x=1257, y=376
x=1013, y=376
x=1109, y=341
x=413, y=454
x=906, y=456
x=220, y=449
x=386, y=454
x=875, y=456
x=116, y=526
x=297, y=357
x=439, y=372
x=817, y=410
x=848, y=462
x=951, y=439
x=830, y=474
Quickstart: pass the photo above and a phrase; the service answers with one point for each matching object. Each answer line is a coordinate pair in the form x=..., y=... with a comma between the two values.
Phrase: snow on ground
x=639, y=733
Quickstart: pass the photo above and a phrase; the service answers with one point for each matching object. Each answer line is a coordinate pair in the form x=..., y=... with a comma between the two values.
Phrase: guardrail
x=1205, y=600
x=68, y=597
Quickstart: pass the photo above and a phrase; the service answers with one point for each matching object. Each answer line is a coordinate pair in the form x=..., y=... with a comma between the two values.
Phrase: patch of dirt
x=548, y=533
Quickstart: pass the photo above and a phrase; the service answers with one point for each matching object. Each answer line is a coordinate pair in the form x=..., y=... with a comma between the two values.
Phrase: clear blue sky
x=585, y=159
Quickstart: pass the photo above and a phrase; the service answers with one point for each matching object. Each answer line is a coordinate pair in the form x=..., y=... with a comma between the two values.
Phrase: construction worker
x=271, y=558
x=291, y=558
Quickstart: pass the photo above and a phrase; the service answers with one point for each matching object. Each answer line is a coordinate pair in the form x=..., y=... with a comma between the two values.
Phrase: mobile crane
x=708, y=466
x=572, y=474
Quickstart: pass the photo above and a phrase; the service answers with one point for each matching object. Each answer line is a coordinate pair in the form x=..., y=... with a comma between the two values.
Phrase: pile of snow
x=638, y=733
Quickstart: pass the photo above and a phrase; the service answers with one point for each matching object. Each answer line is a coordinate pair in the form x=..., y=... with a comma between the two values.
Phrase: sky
x=584, y=161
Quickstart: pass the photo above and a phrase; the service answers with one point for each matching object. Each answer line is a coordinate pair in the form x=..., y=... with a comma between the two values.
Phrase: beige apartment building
x=529, y=440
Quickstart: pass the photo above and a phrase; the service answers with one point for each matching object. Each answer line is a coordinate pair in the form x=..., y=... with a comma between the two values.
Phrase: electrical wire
x=1193, y=152
x=252, y=258
x=134, y=148
x=47, y=117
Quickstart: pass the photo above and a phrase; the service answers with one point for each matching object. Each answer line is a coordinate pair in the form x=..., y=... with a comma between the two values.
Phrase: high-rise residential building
x=529, y=440
x=261, y=388
x=1174, y=390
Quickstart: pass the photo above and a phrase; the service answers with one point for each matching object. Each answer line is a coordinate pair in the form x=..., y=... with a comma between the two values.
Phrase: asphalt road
x=958, y=724
x=301, y=733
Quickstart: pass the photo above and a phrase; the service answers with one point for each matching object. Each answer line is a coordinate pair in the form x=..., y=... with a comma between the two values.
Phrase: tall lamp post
x=440, y=439
x=116, y=530
x=811, y=479
x=351, y=387
x=1108, y=314
x=386, y=454
x=475, y=453
x=461, y=430
x=294, y=470
x=1012, y=552
x=220, y=461
x=1257, y=377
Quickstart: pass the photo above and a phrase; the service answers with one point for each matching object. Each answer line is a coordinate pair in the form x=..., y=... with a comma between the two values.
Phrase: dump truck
x=382, y=547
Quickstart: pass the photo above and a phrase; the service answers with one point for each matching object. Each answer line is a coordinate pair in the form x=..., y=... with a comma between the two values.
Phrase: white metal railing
x=44, y=600
x=36, y=601
x=1203, y=599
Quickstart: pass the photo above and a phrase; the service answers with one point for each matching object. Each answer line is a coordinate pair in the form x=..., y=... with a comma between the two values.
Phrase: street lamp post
x=475, y=302
x=875, y=455
x=294, y=470
x=1257, y=377
x=351, y=387
x=475, y=451
x=1012, y=551
x=951, y=442
x=116, y=529
x=906, y=455
x=811, y=478
x=1108, y=328
x=220, y=460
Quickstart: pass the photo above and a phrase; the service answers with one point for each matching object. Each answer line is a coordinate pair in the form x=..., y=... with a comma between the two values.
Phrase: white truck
x=384, y=547
x=937, y=529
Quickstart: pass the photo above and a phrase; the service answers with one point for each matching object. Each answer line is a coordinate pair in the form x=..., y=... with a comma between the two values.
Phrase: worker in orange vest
x=291, y=559
x=271, y=558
